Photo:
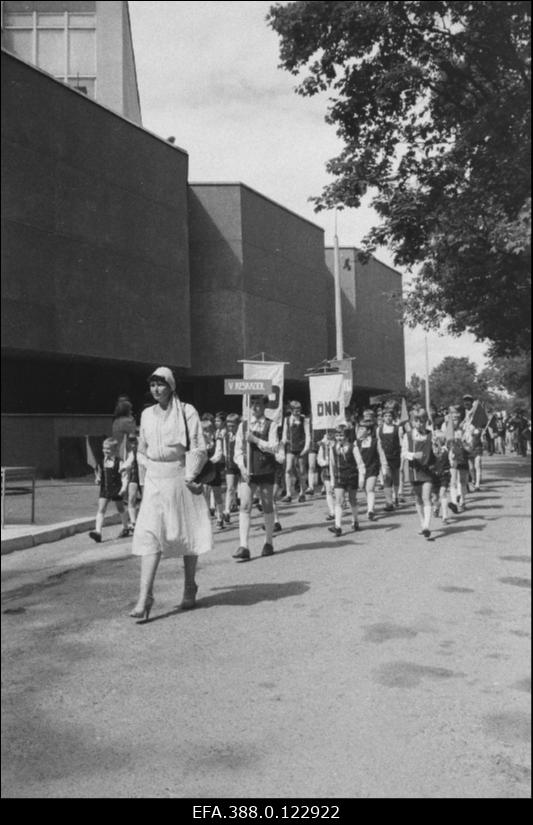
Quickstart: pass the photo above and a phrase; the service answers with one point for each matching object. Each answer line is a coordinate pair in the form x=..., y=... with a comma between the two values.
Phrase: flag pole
x=427, y=376
x=338, y=295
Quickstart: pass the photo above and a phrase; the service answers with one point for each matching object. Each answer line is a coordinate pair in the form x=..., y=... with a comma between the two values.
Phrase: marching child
x=458, y=461
x=213, y=490
x=134, y=473
x=347, y=473
x=417, y=450
x=367, y=444
x=324, y=459
x=441, y=477
x=390, y=451
x=255, y=450
x=113, y=485
x=296, y=438
x=232, y=471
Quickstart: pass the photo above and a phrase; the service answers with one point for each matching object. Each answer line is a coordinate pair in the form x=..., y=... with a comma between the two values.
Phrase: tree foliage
x=431, y=101
x=453, y=378
x=510, y=375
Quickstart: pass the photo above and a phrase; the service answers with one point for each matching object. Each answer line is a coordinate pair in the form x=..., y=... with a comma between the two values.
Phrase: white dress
x=172, y=520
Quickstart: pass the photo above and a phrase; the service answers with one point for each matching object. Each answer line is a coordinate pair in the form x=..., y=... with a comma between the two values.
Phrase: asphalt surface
x=373, y=665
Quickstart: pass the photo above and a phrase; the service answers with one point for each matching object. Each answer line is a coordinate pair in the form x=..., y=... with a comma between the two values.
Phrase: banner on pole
x=345, y=366
x=479, y=417
x=267, y=371
x=327, y=400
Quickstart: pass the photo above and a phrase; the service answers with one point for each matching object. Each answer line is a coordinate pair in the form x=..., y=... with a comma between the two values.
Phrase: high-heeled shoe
x=189, y=598
x=143, y=614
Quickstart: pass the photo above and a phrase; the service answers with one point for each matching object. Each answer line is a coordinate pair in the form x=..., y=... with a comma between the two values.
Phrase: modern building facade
x=371, y=318
x=258, y=284
x=95, y=254
x=85, y=44
x=112, y=264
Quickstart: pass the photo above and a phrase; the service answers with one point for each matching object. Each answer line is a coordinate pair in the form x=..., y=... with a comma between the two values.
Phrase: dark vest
x=261, y=464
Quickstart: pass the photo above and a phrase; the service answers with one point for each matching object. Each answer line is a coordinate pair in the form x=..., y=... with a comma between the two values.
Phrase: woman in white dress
x=173, y=518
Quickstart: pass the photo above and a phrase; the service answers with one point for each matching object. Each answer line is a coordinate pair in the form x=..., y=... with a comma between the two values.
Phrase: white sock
x=244, y=528
x=371, y=501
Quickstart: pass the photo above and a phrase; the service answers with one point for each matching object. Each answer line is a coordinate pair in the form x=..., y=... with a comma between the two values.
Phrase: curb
x=54, y=532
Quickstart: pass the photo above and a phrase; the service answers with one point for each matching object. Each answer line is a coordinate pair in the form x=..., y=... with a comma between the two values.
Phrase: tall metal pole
x=338, y=296
x=427, y=375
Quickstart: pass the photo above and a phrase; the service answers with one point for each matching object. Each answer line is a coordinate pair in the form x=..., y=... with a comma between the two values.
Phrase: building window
x=64, y=45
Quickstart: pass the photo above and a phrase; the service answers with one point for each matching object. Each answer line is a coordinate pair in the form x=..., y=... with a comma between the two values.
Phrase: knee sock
x=338, y=515
x=388, y=494
x=269, y=527
x=244, y=528
x=99, y=522
x=420, y=511
x=371, y=501
x=427, y=516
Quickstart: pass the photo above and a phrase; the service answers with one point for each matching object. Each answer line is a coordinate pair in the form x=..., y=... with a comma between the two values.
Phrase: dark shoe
x=95, y=536
x=371, y=516
x=426, y=533
x=227, y=518
x=220, y=523
x=355, y=526
x=267, y=550
x=336, y=531
x=212, y=512
x=277, y=527
x=389, y=508
x=309, y=491
x=124, y=533
x=286, y=499
x=330, y=518
x=301, y=498
x=242, y=554
x=453, y=507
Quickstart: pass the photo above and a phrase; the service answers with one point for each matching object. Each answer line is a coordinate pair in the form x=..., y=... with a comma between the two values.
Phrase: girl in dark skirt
x=417, y=450
x=346, y=467
x=367, y=444
x=113, y=485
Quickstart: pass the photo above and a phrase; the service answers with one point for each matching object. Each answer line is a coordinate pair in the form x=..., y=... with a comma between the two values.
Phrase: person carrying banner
x=256, y=445
x=347, y=472
x=296, y=437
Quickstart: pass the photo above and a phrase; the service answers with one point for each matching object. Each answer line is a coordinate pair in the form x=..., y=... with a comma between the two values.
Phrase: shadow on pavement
x=241, y=595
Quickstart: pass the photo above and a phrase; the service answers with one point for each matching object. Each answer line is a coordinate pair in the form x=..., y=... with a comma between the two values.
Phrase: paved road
x=374, y=665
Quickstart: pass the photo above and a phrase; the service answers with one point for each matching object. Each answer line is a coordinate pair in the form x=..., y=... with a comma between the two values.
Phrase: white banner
x=270, y=371
x=327, y=400
x=345, y=366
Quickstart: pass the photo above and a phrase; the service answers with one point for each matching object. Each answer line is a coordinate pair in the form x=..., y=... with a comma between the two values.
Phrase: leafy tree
x=510, y=375
x=431, y=100
x=453, y=378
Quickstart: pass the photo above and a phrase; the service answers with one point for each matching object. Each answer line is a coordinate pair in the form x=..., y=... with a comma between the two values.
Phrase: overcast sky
x=208, y=75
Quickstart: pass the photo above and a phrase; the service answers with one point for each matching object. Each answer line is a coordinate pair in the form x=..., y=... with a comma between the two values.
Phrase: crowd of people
x=179, y=476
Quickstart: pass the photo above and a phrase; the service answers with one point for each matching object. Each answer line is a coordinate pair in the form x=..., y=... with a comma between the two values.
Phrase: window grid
x=37, y=22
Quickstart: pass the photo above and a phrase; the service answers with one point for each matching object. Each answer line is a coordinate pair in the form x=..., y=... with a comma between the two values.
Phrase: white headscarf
x=180, y=435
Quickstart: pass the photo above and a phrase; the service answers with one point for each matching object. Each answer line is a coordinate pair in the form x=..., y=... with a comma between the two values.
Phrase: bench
x=18, y=474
